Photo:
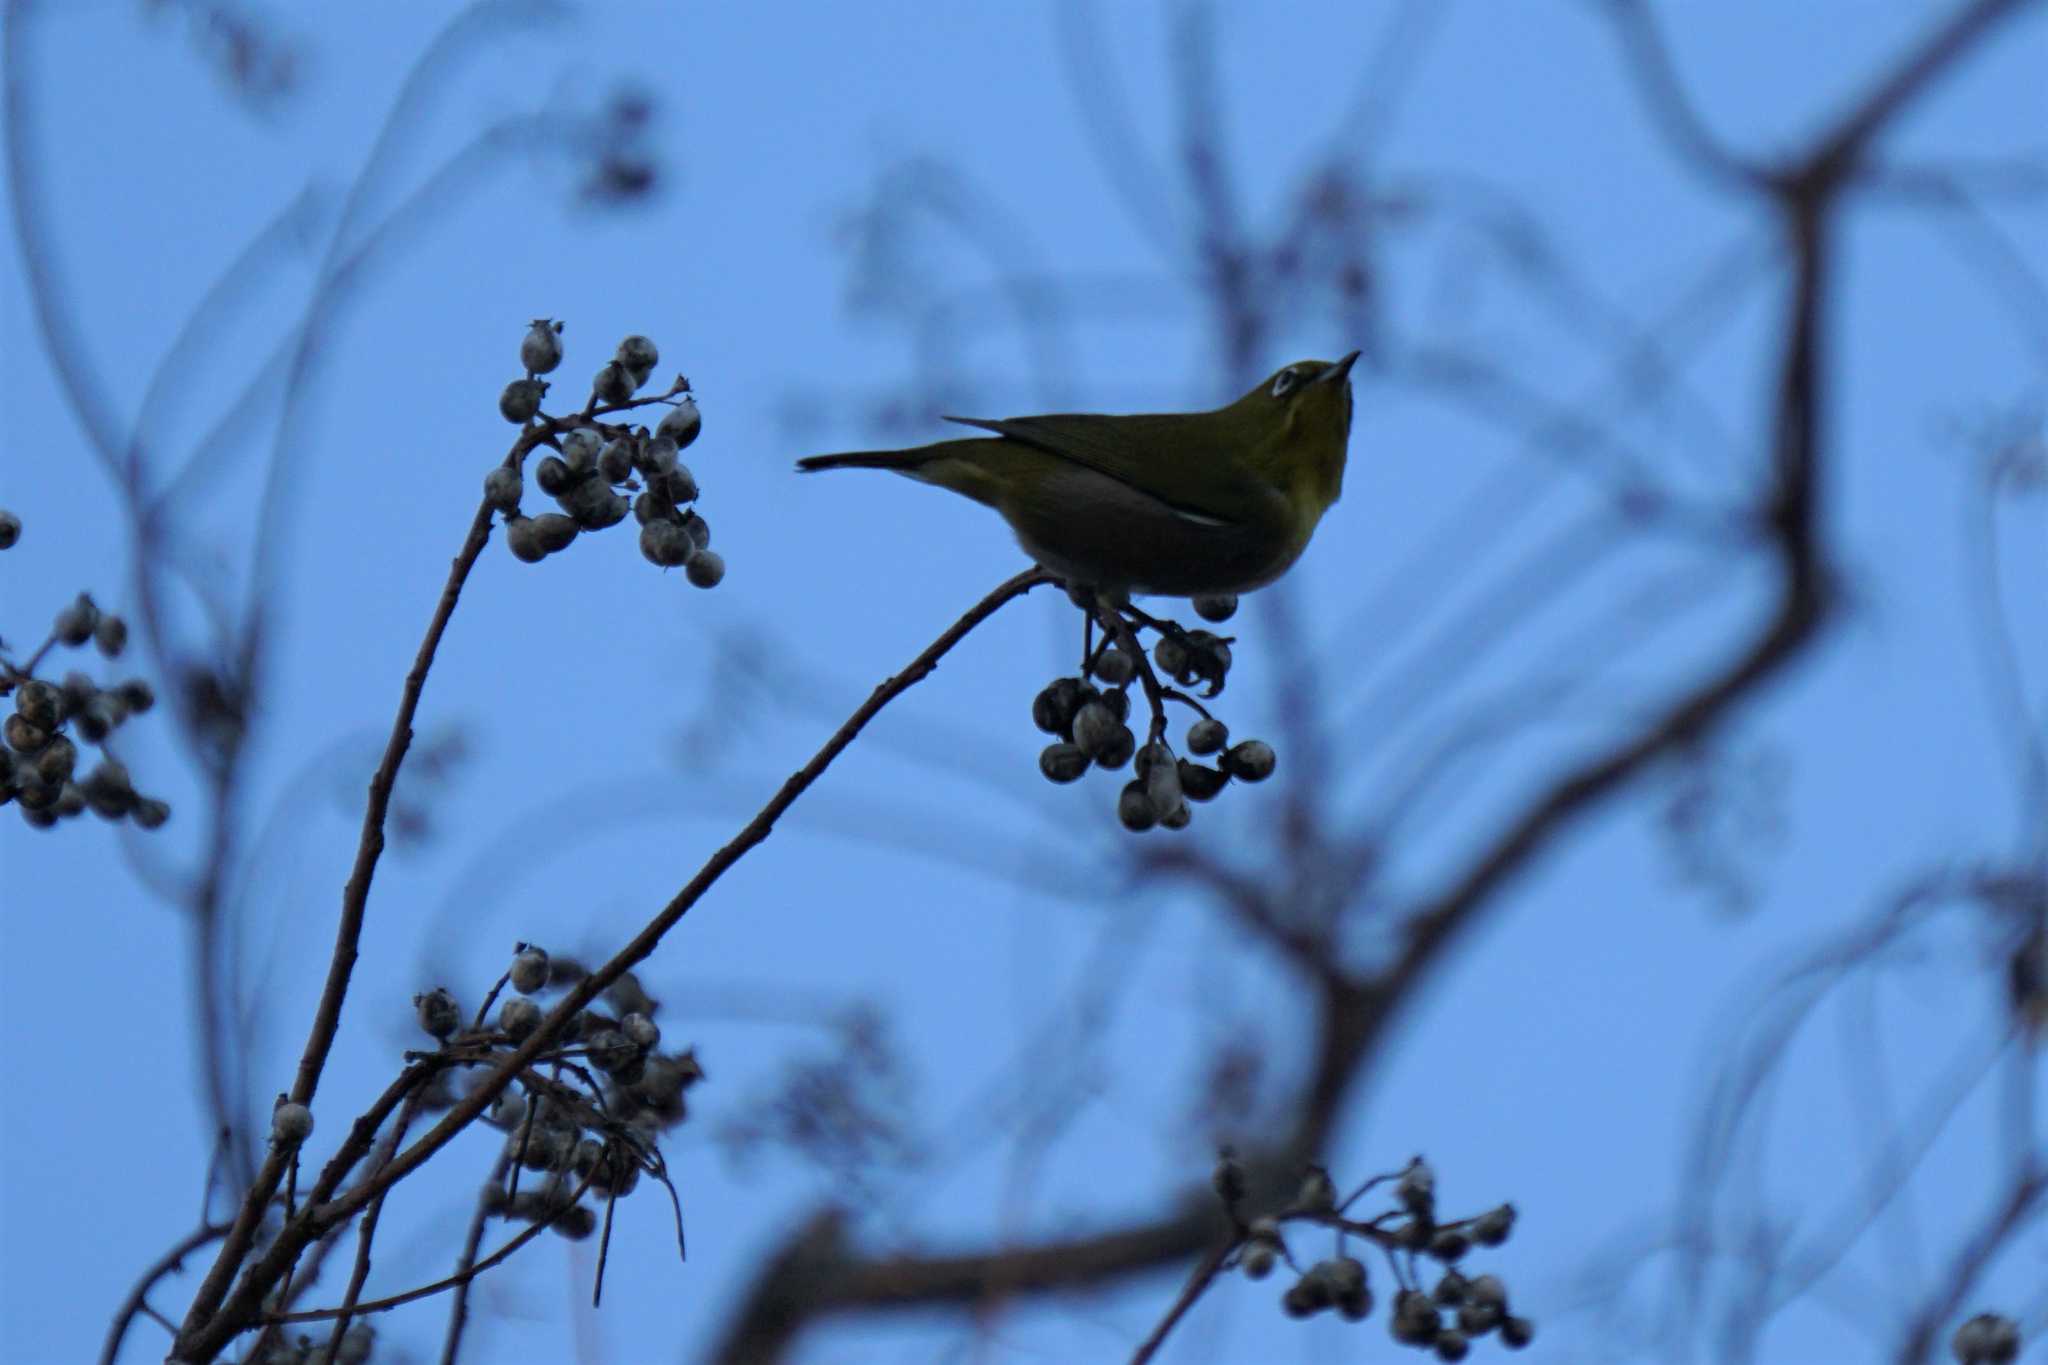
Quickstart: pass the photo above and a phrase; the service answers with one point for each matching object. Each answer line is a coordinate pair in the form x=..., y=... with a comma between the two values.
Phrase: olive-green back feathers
x=1171, y=502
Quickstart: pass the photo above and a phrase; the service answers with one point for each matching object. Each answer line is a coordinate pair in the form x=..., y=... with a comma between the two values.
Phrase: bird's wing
x=1133, y=449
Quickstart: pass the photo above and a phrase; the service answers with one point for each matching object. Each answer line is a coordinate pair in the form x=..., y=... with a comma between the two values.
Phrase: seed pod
x=34, y=794
x=1251, y=761
x=574, y=1223
x=1118, y=750
x=137, y=695
x=554, y=531
x=1162, y=789
x=1414, y=1321
x=523, y=540
x=637, y=352
x=658, y=456
x=1201, y=783
x=580, y=447
x=521, y=400
x=661, y=1082
x=1449, y=1245
x=679, y=485
x=682, y=423
x=79, y=690
x=1062, y=762
x=290, y=1124
x=553, y=476
x=1492, y=1227
x=1094, y=728
x=1052, y=710
x=529, y=971
x=595, y=507
x=56, y=760
x=502, y=488
x=21, y=736
x=640, y=1030
x=437, y=1012
x=518, y=1017
x=706, y=569
x=540, y=350
x=611, y=1050
x=1986, y=1339
x=664, y=543
x=111, y=635
x=39, y=703
x=613, y=384
x=107, y=790
x=615, y=461
x=76, y=623
x=507, y=1111
x=1115, y=667
x=1317, y=1193
x=1134, y=808
x=651, y=506
x=1488, y=1291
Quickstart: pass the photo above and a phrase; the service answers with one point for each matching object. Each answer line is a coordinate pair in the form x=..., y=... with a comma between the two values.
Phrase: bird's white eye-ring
x=1283, y=383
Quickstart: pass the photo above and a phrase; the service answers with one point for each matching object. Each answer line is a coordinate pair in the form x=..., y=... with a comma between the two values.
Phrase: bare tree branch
x=212, y=1322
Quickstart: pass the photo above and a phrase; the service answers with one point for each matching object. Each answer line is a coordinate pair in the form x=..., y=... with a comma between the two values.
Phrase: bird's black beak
x=1337, y=371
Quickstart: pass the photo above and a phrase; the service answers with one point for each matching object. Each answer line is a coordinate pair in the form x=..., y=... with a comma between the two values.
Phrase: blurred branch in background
x=1324, y=895
x=217, y=667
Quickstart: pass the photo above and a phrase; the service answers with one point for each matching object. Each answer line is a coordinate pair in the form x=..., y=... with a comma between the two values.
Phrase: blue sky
x=619, y=725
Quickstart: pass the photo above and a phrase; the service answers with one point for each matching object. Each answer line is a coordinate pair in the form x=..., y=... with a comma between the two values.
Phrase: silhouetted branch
x=213, y=1322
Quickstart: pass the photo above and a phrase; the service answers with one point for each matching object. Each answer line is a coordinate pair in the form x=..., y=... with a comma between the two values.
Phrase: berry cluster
x=589, y=1111
x=39, y=761
x=1445, y=1318
x=601, y=471
x=1089, y=714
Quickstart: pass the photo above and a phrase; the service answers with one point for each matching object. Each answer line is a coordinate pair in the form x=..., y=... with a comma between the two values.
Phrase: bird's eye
x=1283, y=383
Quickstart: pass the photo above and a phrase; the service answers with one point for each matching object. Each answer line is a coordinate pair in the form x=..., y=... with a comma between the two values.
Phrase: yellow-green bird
x=1174, y=503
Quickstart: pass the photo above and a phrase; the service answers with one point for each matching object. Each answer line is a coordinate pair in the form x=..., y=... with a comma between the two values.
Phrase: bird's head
x=1301, y=415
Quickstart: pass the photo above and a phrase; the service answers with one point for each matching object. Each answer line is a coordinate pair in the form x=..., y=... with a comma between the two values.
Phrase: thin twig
x=1204, y=1275
x=216, y=1319
x=355, y=897
x=164, y=1265
x=426, y=1291
x=366, y=1229
x=458, y=1307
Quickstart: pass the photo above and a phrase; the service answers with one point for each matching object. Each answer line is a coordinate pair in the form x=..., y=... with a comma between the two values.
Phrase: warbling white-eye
x=1174, y=503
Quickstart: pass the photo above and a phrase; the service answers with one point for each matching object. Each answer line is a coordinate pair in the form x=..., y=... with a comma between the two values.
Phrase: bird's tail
x=960, y=465
x=902, y=461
